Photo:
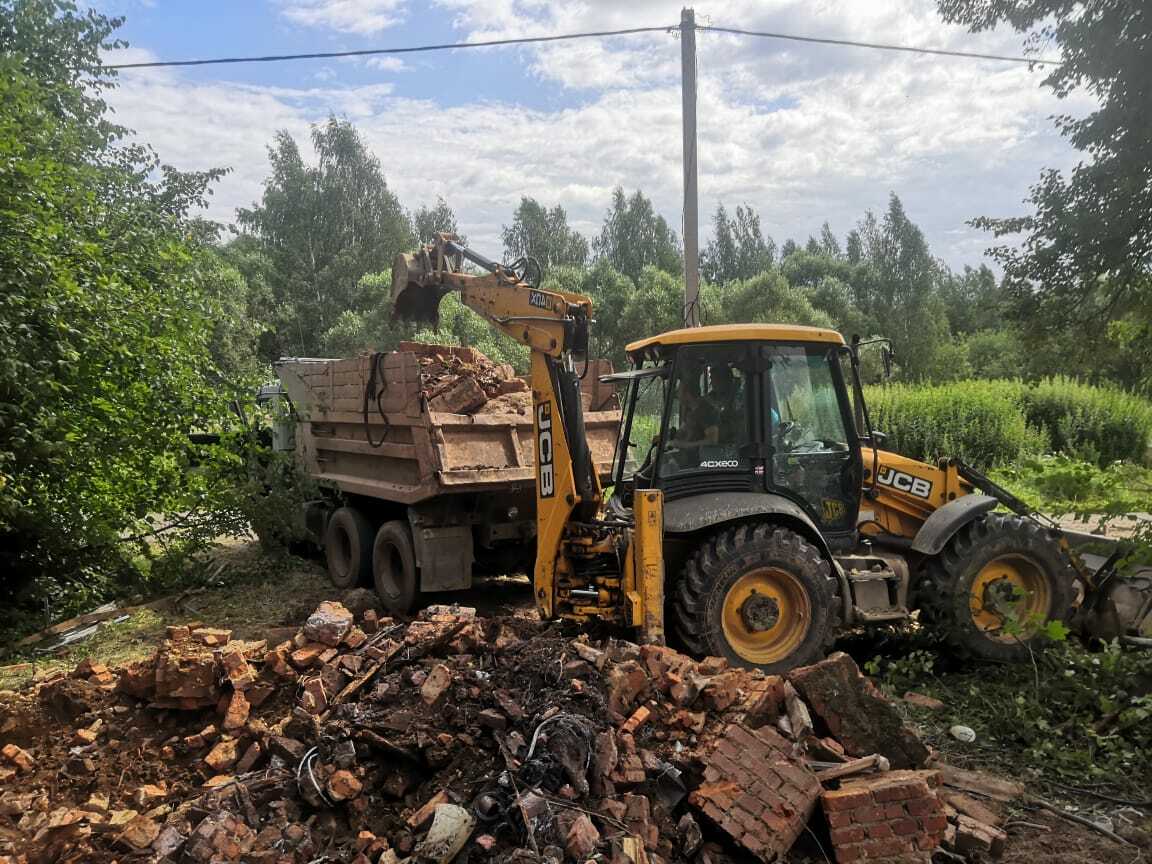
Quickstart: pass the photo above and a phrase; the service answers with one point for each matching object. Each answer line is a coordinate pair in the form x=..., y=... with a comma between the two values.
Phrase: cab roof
x=740, y=333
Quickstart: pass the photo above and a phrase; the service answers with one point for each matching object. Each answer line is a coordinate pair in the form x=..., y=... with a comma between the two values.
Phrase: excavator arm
x=554, y=326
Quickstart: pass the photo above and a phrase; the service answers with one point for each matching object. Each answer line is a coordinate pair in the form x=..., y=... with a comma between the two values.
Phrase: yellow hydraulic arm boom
x=554, y=326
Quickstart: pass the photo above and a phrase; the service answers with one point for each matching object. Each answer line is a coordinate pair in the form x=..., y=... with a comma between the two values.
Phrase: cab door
x=813, y=455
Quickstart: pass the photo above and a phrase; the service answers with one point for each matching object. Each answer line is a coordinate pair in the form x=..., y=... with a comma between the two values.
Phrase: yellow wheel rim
x=766, y=615
x=1010, y=589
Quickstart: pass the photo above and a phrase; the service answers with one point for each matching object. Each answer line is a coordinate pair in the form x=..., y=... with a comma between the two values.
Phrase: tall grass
x=1092, y=423
x=995, y=423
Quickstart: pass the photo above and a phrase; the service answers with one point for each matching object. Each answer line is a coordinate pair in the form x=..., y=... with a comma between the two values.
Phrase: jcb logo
x=544, y=450
x=539, y=299
x=902, y=482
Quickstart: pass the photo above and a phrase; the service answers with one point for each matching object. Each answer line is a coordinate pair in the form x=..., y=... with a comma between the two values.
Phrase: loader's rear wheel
x=394, y=567
x=995, y=586
x=760, y=596
x=348, y=548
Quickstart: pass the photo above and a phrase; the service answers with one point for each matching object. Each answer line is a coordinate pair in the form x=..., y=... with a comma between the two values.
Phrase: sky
x=803, y=133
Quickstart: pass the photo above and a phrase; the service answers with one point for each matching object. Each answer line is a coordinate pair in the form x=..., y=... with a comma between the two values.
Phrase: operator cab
x=746, y=408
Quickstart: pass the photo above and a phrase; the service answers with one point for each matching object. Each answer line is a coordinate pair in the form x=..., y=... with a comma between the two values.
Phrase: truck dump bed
x=426, y=420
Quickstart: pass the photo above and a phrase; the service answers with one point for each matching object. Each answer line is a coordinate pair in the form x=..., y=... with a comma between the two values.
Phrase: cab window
x=708, y=426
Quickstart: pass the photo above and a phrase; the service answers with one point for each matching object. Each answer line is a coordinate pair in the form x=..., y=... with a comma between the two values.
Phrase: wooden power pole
x=691, y=205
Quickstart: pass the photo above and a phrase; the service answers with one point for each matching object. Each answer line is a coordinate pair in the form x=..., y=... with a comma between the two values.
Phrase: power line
x=448, y=46
x=879, y=46
x=592, y=34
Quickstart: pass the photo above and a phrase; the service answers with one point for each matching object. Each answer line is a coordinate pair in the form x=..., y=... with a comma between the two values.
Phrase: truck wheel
x=348, y=548
x=760, y=596
x=394, y=567
x=994, y=586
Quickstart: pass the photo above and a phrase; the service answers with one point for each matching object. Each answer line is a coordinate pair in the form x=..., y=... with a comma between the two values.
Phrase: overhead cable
x=414, y=49
x=592, y=34
x=879, y=46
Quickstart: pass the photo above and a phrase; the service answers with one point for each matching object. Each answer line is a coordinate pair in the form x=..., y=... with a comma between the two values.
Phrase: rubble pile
x=457, y=380
x=457, y=738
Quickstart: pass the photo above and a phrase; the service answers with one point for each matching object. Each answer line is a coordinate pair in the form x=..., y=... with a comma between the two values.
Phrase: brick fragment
x=343, y=785
x=223, y=756
x=329, y=624
x=20, y=758
x=855, y=713
x=436, y=684
x=846, y=799
x=748, y=800
x=582, y=838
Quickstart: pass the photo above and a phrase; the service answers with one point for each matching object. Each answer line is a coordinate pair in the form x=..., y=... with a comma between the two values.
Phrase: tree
x=543, y=234
x=105, y=322
x=324, y=227
x=738, y=249
x=427, y=222
x=766, y=297
x=634, y=236
x=1085, y=258
x=897, y=286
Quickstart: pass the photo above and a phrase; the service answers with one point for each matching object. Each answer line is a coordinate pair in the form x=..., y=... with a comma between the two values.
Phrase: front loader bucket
x=414, y=296
x=1118, y=598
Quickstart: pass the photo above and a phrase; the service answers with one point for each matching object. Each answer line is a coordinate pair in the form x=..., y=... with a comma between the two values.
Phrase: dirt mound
x=454, y=737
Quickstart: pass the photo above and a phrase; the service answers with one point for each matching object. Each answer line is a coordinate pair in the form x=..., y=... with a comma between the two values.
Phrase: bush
x=995, y=423
x=1099, y=424
x=977, y=421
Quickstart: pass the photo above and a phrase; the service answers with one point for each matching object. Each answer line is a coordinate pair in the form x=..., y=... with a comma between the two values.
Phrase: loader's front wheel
x=995, y=586
x=394, y=567
x=760, y=596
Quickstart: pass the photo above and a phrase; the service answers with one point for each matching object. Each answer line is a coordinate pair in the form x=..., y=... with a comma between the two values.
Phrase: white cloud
x=362, y=17
x=385, y=64
x=803, y=133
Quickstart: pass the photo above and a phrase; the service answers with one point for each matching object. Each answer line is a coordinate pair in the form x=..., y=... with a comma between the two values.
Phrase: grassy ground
x=250, y=594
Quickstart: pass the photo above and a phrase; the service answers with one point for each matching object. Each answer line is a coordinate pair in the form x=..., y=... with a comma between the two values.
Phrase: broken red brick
x=750, y=799
x=639, y=718
x=436, y=684
x=222, y=756
x=19, y=757
x=329, y=624
x=855, y=713
x=343, y=786
x=582, y=838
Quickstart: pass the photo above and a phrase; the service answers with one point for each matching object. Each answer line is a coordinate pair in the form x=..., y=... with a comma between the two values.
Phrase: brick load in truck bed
x=438, y=419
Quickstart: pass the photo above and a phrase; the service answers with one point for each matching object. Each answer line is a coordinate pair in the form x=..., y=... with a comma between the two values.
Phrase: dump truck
x=753, y=506
x=425, y=459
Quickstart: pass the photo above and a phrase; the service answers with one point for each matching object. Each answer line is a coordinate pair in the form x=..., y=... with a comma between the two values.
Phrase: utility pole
x=691, y=206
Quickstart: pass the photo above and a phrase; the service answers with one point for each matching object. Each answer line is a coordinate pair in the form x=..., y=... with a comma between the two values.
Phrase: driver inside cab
x=700, y=421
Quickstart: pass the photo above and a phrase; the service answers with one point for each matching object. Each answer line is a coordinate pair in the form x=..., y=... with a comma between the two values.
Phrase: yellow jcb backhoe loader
x=752, y=507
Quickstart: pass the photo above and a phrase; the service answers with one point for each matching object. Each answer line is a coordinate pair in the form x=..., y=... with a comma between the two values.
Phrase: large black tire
x=394, y=567
x=348, y=548
x=760, y=596
x=994, y=586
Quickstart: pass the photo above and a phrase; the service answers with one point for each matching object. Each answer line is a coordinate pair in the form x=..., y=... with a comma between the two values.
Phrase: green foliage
x=1099, y=424
x=978, y=421
x=107, y=311
x=427, y=222
x=738, y=248
x=993, y=354
x=1083, y=258
x=1076, y=716
x=635, y=236
x=994, y=423
x=1062, y=484
x=323, y=227
x=543, y=234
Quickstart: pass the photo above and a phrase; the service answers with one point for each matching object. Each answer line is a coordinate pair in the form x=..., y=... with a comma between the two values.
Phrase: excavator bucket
x=1117, y=602
x=415, y=295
